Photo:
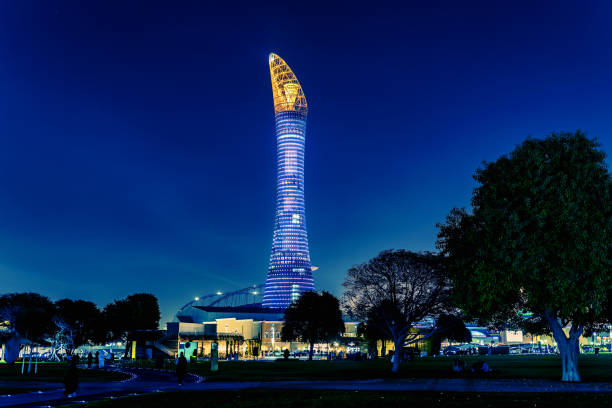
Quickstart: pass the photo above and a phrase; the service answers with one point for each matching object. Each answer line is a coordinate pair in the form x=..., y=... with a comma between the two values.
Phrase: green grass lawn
x=592, y=368
x=326, y=399
x=54, y=372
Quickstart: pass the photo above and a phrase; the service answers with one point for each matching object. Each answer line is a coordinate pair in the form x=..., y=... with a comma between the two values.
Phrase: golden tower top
x=286, y=90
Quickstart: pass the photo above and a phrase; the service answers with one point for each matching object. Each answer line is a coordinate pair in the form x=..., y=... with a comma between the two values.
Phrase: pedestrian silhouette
x=71, y=379
x=89, y=360
x=100, y=358
x=181, y=368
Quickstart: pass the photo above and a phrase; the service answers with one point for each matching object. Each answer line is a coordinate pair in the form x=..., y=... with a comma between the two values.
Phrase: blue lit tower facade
x=290, y=272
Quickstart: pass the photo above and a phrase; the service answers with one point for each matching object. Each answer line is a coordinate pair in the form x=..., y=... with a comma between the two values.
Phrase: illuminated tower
x=290, y=272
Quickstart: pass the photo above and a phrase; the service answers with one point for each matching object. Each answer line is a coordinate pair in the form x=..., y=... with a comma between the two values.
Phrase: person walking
x=89, y=360
x=100, y=360
x=181, y=368
x=71, y=379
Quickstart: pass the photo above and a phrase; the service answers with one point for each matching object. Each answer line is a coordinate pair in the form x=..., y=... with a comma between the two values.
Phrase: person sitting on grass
x=480, y=367
x=458, y=365
x=71, y=379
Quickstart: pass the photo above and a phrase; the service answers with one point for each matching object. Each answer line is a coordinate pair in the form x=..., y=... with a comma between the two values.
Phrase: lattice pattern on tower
x=286, y=90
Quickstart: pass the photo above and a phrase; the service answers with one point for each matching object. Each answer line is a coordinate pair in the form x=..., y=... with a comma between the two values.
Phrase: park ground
x=523, y=380
x=54, y=372
x=334, y=398
x=592, y=369
x=49, y=375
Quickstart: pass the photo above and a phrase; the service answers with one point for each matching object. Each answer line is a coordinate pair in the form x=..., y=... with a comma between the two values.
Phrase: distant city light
x=219, y=293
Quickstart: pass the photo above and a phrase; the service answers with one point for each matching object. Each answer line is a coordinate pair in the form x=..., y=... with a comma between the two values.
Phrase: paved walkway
x=52, y=394
x=146, y=381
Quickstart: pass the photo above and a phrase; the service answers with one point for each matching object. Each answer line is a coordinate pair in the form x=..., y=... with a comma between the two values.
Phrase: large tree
x=452, y=328
x=123, y=317
x=78, y=321
x=370, y=330
x=395, y=290
x=536, y=246
x=313, y=318
x=27, y=318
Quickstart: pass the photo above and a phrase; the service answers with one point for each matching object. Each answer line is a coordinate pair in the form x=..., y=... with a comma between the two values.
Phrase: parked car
x=500, y=350
x=450, y=350
x=587, y=348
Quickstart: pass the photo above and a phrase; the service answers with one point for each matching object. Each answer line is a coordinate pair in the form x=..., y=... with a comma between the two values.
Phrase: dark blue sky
x=137, y=148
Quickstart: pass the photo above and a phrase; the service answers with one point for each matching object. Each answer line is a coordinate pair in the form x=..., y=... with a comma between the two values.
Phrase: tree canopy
x=26, y=318
x=31, y=318
x=139, y=311
x=395, y=290
x=313, y=318
x=452, y=328
x=79, y=321
x=371, y=330
x=536, y=246
x=29, y=315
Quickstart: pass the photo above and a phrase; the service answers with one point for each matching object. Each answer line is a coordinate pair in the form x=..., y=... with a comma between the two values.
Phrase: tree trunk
x=373, y=349
x=397, y=343
x=11, y=349
x=24, y=353
x=126, y=341
x=568, y=348
x=30, y=361
x=570, y=363
x=23, y=360
x=311, y=351
x=383, y=349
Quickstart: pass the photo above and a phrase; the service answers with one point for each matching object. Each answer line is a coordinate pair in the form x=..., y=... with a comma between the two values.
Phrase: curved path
x=145, y=381
x=141, y=381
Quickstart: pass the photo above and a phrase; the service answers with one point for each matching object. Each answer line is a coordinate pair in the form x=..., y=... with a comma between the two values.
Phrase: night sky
x=137, y=147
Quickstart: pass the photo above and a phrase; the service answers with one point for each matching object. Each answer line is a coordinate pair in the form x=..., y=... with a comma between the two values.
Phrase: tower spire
x=286, y=89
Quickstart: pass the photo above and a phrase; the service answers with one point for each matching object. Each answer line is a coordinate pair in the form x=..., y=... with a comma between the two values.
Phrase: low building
x=247, y=339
